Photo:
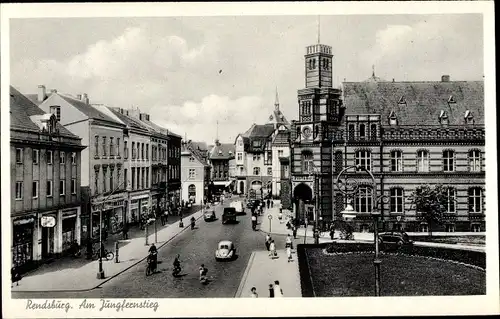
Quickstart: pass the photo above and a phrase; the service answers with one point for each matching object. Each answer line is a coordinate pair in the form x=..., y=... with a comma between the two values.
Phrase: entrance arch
x=257, y=187
x=302, y=195
x=192, y=193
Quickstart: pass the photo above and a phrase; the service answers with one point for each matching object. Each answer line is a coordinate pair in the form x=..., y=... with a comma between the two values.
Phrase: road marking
x=245, y=276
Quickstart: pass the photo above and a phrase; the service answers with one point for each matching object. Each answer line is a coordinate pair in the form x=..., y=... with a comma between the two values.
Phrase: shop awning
x=222, y=183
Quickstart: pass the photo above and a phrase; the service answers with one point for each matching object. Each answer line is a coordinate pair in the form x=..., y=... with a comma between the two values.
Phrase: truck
x=229, y=215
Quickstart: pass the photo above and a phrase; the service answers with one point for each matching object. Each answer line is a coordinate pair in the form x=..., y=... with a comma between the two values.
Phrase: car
x=209, y=216
x=229, y=215
x=395, y=237
x=225, y=250
x=238, y=205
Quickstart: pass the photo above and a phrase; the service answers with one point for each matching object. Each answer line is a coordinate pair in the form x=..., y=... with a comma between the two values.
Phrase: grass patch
x=466, y=240
x=352, y=275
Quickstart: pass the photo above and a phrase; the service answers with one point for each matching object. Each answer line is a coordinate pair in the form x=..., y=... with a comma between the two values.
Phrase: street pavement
x=194, y=247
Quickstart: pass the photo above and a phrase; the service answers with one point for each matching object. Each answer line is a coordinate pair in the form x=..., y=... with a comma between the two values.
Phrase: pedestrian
x=332, y=231
x=289, y=253
x=288, y=241
x=272, y=248
x=280, y=217
x=294, y=231
x=268, y=203
x=125, y=231
x=268, y=241
x=165, y=214
x=271, y=291
x=15, y=276
x=253, y=293
x=278, y=292
x=272, y=204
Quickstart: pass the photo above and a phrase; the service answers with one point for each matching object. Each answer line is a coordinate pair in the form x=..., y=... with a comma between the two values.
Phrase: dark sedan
x=399, y=238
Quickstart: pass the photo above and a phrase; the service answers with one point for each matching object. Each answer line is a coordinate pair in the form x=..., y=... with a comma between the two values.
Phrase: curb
x=245, y=276
x=115, y=275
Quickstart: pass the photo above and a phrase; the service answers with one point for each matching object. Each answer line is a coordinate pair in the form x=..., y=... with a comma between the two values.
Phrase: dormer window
x=56, y=110
x=469, y=118
x=402, y=100
x=393, y=120
x=443, y=118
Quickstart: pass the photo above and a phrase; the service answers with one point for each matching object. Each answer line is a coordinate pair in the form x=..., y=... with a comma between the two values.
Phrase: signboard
x=48, y=221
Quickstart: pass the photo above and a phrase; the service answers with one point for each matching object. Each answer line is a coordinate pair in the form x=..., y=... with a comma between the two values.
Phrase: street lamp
x=350, y=213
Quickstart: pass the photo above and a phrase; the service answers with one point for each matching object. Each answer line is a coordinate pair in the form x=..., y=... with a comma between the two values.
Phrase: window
x=118, y=146
x=280, y=153
x=307, y=162
x=36, y=156
x=19, y=155
x=475, y=200
x=351, y=132
x=451, y=200
x=111, y=186
x=56, y=110
x=241, y=171
x=62, y=157
x=73, y=158
x=147, y=177
x=362, y=131
x=373, y=131
x=133, y=178
x=269, y=171
x=476, y=228
x=142, y=151
x=191, y=159
x=49, y=188
x=19, y=190
x=449, y=228
x=396, y=161
x=363, y=200
x=96, y=180
x=73, y=186
x=111, y=146
x=240, y=142
x=474, y=161
x=143, y=175
x=363, y=158
x=104, y=145
x=133, y=150
x=285, y=171
x=338, y=161
x=125, y=176
x=448, y=161
x=422, y=161
x=96, y=144
x=192, y=173
x=49, y=157
x=240, y=157
x=397, y=200
x=147, y=151
x=424, y=228
x=62, y=187
x=256, y=171
x=35, y=189
x=104, y=173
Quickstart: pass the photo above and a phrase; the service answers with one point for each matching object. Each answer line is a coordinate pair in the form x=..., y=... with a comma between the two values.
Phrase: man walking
x=278, y=292
x=125, y=231
x=268, y=241
x=294, y=231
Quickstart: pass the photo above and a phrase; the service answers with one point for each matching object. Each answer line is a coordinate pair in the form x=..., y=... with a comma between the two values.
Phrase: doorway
x=47, y=242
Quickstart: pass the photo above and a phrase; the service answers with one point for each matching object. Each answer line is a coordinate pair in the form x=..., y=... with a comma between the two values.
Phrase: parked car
x=228, y=215
x=238, y=205
x=225, y=250
x=400, y=238
x=209, y=216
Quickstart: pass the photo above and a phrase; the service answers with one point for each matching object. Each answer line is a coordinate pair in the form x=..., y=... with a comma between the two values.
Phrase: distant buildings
x=220, y=156
x=45, y=184
x=195, y=172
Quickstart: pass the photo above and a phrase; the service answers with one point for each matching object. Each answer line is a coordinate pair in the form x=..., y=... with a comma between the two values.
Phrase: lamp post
x=349, y=212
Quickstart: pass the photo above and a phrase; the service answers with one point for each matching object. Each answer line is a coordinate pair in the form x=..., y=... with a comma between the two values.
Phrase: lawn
x=350, y=275
x=465, y=240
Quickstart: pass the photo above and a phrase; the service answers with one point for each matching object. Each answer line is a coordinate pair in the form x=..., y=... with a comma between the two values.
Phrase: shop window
x=22, y=245
x=68, y=232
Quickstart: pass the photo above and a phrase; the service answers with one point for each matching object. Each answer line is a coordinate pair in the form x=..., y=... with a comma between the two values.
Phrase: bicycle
x=106, y=254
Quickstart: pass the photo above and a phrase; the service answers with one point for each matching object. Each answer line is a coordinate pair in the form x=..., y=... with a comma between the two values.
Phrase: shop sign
x=48, y=221
x=23, y=221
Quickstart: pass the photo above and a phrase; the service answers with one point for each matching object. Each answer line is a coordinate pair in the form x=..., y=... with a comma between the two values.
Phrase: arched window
x=373, y=131
x=191, y=191
x=397, y=200
x=363, y=200
x=256, y=171
x=307, y=162
x=362, y=131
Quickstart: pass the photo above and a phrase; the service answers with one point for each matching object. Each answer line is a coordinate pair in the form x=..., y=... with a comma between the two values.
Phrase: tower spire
x=217, y=133
x=373, y=70
x=276, y=101
x=319, y=29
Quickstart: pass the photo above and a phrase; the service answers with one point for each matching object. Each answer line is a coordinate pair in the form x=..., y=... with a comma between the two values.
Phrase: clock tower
x=320, y=108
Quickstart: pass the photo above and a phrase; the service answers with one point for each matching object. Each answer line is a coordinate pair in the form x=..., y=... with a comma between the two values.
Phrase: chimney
x=79, y=97
x=445, y=78
x=393, y=80
x=41, y=93
x=85, y=98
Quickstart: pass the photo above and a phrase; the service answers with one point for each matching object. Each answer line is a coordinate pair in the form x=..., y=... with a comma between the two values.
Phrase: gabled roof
x=424, y=101
x=87, y=109
x=193, y=149
x=130, y=121
x=281, y=138
x=222, y=151
x=278, y=118
x=23, y=113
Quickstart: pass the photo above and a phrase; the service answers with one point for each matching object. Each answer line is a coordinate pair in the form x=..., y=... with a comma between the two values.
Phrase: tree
x=431, y=202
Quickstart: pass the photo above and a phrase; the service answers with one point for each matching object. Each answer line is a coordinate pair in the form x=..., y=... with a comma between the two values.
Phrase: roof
x=130, y=121
x=277, y=117
x=24, y=114
x=282, y=137
x=202, y=146
x=87, y=109
x=416, y=103
x=193, y=149
x=222, y=151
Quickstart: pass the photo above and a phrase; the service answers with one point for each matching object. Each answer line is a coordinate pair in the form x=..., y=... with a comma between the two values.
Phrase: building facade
x=45, y=160
x=219, y=156
x=103, y=185
x=174, y=168
x=406, y=133
x=195, y=173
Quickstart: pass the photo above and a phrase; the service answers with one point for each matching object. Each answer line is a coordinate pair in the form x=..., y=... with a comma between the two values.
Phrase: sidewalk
x=307, y=234
x=262, y=271
x=79, y=274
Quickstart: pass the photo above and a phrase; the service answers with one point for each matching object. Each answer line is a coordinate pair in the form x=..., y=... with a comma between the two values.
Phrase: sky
x=190, y=72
